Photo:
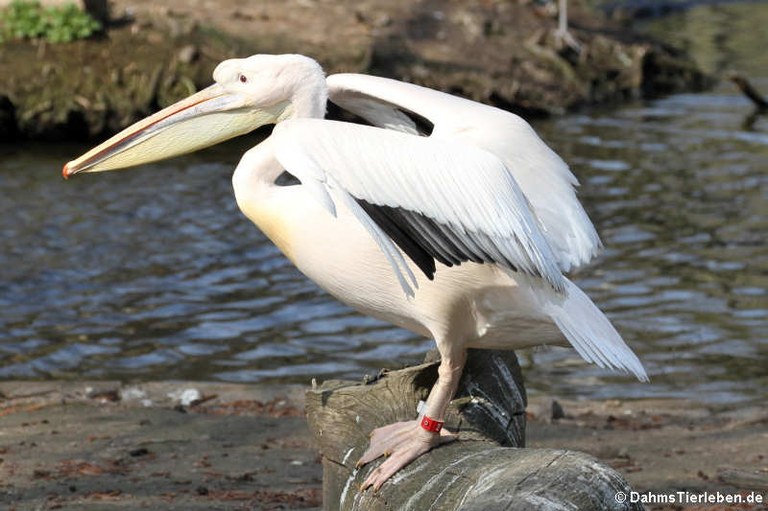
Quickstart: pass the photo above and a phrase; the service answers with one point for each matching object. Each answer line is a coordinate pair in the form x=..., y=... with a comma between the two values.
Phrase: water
x=153, y=273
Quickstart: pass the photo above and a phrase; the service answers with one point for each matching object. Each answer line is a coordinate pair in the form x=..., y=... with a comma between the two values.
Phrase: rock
x=9, y=131
x=557, y=411
x=98, y=9
x=186, y=397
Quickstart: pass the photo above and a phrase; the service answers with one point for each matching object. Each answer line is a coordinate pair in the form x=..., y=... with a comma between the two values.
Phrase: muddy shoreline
x=184, y=446
x=497, y=52
x=195, y=445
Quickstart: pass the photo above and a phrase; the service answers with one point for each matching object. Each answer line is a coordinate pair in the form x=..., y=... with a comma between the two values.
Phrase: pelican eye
x=242, y=78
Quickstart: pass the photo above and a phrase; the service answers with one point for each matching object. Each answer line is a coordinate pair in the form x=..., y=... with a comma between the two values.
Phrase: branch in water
x=744, y=86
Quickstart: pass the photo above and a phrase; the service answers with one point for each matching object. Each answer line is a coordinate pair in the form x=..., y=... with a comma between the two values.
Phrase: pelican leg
x=403, y=442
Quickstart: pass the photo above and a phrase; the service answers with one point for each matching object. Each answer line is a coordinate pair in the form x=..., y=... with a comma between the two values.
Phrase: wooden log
x=485, y=469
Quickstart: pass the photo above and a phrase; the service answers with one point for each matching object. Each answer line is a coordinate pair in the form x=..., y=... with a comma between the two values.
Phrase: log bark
x=486, y=469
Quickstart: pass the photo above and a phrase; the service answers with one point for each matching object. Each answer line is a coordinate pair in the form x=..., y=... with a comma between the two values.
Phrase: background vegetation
x=28, y=19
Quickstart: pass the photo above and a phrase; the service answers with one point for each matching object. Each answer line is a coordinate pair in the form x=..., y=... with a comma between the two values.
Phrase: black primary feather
x=425, y=240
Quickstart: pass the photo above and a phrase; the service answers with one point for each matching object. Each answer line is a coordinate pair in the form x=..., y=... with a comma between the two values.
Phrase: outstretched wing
x=542, y=175
x=436, y=200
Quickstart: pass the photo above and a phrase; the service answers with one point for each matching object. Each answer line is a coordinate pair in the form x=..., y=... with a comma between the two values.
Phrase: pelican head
x=248, y=93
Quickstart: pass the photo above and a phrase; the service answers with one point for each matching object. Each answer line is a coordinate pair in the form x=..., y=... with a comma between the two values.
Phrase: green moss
x=27, y=19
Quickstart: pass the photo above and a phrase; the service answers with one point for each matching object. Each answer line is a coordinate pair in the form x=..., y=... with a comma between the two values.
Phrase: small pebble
x=141, y=451
x=557, y=411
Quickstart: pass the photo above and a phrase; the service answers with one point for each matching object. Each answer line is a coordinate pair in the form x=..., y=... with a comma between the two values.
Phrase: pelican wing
x=435, y=200
x=542, y=175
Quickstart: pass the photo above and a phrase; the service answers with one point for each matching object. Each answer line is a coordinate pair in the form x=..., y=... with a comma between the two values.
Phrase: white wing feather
x=585, y=326
x=403, y=272
x=455, y=184
x=542, y=175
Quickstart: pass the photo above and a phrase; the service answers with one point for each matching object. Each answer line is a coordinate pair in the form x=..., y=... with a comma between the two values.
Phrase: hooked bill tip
x=65, y=172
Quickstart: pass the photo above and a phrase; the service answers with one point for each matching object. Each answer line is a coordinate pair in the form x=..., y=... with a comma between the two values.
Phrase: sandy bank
x=247, y=446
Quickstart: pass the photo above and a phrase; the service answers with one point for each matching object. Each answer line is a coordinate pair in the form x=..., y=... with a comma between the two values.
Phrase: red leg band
x=431, y=425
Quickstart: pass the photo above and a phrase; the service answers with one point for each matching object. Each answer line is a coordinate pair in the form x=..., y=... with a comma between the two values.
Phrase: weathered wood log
x=485, y=469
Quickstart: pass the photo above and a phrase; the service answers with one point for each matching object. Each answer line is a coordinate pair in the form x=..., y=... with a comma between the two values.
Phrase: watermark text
x=690, y=497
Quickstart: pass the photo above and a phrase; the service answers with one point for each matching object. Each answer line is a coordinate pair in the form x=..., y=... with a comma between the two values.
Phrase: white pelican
x=462, y=235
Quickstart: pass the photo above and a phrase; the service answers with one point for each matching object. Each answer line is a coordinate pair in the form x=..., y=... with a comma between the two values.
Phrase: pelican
x=462, y=234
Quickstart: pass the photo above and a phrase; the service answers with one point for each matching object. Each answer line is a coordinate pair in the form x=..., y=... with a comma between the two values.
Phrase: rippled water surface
x=154, y=274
